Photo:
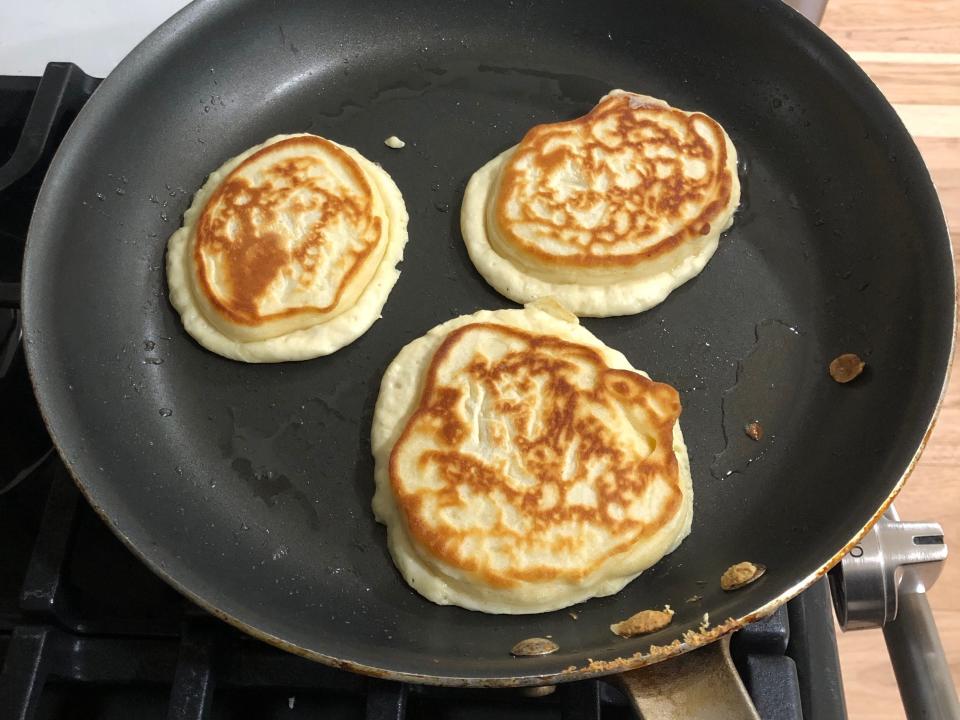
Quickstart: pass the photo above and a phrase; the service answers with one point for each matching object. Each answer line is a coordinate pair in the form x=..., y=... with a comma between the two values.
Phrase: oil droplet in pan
x=770, y=369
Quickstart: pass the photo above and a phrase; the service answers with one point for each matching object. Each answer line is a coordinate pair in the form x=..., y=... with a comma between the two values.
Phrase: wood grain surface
x=911, y=50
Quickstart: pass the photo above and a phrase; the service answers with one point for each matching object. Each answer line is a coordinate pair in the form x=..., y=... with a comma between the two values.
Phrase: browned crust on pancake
x=632, y=117
x=254, y=260
x=436, y=413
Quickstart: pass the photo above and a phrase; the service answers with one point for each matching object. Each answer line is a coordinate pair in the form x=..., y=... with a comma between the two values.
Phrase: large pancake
x=288, y=251
x=609, y=212
x=523, y=466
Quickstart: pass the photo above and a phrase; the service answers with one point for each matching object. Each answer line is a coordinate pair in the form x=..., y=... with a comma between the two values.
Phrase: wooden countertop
x=911, y=50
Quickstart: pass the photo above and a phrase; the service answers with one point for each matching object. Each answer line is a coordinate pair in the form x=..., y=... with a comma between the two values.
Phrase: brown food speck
x=846, y=367
x=573, y=615
x=694, y=598
x=645, y=621
x=754, y=430
x=532, y=647
x=665, y=650
x=743, y=573
x=691, y=639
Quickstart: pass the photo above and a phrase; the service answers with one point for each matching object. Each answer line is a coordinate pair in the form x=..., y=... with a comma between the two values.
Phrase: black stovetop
x=86, y=631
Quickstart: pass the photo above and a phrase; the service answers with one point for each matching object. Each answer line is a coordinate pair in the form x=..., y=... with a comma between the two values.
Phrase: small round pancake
x=288, y=251
x=523, y=466
x=608, y=213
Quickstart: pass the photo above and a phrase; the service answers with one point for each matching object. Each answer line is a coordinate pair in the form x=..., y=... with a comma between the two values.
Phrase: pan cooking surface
x=249, y=486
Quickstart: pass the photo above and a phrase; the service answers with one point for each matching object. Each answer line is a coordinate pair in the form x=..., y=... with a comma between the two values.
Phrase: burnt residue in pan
x=846, y=368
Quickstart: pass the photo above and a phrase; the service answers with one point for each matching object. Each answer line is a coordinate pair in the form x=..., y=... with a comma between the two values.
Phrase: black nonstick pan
x=248, y=487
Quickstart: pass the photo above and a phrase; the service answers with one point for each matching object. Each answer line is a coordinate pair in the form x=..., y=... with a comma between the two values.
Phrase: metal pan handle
x=702, y=684
x=923, y=675
x=883, y=582
x=812, y=10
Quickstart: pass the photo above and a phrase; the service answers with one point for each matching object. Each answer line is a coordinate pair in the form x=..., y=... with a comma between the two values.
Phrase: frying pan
x=248, y=487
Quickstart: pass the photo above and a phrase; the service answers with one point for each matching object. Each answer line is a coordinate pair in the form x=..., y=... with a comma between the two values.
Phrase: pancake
x=523, y=466
x=608, y=213
x=288, y=251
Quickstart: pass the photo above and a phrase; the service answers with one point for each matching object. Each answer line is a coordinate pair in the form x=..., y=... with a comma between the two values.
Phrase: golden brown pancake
x=282, y=241
x=240, y=249
x=534, y=468
x=608, y=212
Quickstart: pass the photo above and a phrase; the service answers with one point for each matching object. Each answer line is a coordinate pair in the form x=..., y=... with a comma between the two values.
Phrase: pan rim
x=35, y=363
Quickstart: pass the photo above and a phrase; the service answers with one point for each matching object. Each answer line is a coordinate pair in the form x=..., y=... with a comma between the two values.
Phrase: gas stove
x=86, y=631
